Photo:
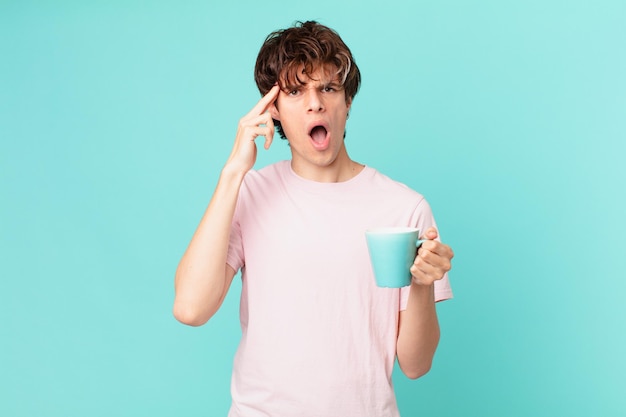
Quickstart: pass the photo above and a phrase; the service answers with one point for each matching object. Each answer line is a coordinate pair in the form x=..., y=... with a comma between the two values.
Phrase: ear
x=274, y=111
x=348, y=103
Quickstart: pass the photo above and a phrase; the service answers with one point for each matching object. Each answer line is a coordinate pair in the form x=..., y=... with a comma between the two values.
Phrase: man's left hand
x=433, y=259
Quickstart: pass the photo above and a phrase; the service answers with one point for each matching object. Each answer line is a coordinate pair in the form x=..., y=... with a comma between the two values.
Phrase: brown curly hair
x=304, y=48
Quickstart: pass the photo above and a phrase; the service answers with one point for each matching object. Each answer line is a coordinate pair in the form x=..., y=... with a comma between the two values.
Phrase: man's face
x=313, y=116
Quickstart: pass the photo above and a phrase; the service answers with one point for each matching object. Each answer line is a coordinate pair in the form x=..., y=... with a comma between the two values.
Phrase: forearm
x=418, y=333
x=202, y=277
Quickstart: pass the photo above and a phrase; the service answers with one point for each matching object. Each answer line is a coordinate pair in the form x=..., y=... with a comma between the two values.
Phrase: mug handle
x=419, y=242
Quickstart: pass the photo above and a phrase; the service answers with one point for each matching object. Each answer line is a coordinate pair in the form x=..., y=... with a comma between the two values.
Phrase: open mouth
x=318, y=134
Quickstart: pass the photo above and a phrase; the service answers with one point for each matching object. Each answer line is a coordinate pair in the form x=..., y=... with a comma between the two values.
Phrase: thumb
x=430, y=233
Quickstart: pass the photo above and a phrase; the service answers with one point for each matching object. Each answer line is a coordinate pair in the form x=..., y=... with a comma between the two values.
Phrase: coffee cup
x=392, y=251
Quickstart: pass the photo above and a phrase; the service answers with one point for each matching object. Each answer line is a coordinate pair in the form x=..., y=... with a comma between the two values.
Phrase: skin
x=320, y=101
x=202, y=281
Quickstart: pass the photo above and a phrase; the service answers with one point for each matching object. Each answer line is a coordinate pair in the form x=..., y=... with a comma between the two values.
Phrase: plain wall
x=115, y=120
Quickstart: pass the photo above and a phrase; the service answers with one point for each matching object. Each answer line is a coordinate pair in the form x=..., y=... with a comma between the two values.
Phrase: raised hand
x=258, y=122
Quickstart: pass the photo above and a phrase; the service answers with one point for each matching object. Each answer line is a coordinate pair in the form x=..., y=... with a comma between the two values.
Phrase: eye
x=328, y=89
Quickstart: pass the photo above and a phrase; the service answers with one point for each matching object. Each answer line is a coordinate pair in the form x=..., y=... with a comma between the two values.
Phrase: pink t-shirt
x=318, y=335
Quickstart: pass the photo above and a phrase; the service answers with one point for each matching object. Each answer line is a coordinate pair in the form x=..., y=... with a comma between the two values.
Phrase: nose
x=315, y=103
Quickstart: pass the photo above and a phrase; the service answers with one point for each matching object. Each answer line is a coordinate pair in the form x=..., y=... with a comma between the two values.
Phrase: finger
x=430, y=245
x=434, y=259
x=438, y=248
x=265, y=102
x=269, y=136
x=262, y=125
x=256, y=131
x=425, y=274
x=257, y=120
x=430, y=233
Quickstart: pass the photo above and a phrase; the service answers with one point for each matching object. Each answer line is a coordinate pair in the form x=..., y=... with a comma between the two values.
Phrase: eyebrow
x=334, y=84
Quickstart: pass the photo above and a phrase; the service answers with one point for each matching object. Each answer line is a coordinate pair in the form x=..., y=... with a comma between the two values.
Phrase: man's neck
x=341, y=169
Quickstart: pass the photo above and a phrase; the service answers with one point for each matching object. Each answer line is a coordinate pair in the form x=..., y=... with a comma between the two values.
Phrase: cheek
x=290, y=127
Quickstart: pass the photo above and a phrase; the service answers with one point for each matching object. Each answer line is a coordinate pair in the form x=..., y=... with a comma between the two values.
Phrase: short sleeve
x=423, y=219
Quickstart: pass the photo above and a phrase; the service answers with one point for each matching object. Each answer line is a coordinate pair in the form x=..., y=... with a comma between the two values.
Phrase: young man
x=319, y=338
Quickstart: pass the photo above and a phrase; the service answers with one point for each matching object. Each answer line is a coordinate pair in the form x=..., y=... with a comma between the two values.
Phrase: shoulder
x=267, y=175
x=383, y=184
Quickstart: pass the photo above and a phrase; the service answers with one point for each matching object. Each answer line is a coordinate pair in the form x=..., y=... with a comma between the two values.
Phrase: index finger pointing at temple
x=265, y=101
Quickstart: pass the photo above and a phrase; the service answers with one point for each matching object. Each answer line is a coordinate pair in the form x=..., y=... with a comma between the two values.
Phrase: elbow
x=417, y=372
x=189, y=316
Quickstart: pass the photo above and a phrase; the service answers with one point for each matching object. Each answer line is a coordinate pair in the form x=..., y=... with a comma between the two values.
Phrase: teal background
x=116, y=117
